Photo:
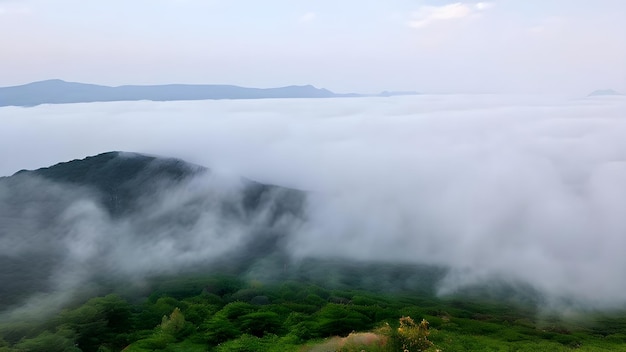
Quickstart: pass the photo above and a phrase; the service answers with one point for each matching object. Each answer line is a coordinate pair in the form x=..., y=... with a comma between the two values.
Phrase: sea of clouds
x=520, y=188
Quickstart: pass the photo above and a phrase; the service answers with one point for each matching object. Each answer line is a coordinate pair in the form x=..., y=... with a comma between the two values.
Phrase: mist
x=518, y=188
x=59, y=241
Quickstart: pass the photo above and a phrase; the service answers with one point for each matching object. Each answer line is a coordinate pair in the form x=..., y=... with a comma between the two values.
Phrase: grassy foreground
x=221, y=313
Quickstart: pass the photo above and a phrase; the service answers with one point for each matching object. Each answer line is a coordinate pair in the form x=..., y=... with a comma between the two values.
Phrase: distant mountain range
x=57, y=91
x=601, y=92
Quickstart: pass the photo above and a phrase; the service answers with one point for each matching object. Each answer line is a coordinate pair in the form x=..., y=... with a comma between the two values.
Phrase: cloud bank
x=512, y=187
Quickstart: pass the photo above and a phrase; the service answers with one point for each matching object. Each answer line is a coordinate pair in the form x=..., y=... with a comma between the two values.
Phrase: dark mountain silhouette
x=44, y=213
x=60, y=92
x=119, y=178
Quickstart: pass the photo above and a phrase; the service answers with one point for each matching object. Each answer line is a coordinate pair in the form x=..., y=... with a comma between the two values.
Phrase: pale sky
x=365, y=46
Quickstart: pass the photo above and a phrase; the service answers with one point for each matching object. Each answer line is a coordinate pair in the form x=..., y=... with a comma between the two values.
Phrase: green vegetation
x=221, y=313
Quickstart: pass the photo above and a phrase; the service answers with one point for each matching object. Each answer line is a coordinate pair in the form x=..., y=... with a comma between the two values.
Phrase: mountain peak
x=117, y=175
x=601, y=92
x=52, y=80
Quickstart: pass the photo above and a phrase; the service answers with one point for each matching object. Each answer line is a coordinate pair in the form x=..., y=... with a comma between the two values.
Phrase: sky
x=366, y=46
x=516, y=187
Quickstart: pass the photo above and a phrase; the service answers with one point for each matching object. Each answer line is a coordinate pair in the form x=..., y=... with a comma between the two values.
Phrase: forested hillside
x=127, y=252
x=229, y=313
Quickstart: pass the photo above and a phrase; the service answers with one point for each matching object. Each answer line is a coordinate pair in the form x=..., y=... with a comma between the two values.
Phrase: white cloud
x=428, y=15
x=484, y=5
x=520, y=187
x=308, y=17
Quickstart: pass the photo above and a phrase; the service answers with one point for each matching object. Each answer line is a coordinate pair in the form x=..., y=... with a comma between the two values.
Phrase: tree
x=48, y=342
x=339, y=319
x=260, y=323
x=100, y=321
x=176, y=326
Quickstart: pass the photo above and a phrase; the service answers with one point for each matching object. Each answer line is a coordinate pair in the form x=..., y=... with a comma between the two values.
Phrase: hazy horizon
x=430, y=46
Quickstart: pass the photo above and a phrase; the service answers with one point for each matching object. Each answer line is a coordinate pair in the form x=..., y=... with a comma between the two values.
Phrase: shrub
x=411, y=336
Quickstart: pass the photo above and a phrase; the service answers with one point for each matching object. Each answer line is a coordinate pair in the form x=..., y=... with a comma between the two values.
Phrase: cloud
x=484, y=5
x=307, y=17
x=529, y=189
x=198, y=221
x=428, y=15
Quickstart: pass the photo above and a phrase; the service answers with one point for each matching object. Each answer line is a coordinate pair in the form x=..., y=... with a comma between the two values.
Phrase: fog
x=518, y=188
x=59, y=241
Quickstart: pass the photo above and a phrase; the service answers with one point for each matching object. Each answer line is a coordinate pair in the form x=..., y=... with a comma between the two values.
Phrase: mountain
x=601, y=92
x=118, y=215
x=130, y=223
x=60, y=92
x=119, y=179
x=129, y=252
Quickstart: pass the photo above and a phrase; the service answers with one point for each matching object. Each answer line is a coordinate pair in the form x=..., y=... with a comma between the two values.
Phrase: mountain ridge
x=117, y=175
x=99, y=217
x=604, y=92
x=57, y=91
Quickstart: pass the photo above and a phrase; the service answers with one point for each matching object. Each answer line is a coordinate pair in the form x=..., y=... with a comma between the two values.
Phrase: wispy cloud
x=307, y=17
x=428, y=15
x=484, y=5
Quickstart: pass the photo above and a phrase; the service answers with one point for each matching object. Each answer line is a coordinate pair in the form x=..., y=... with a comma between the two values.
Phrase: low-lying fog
x=509, y=187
